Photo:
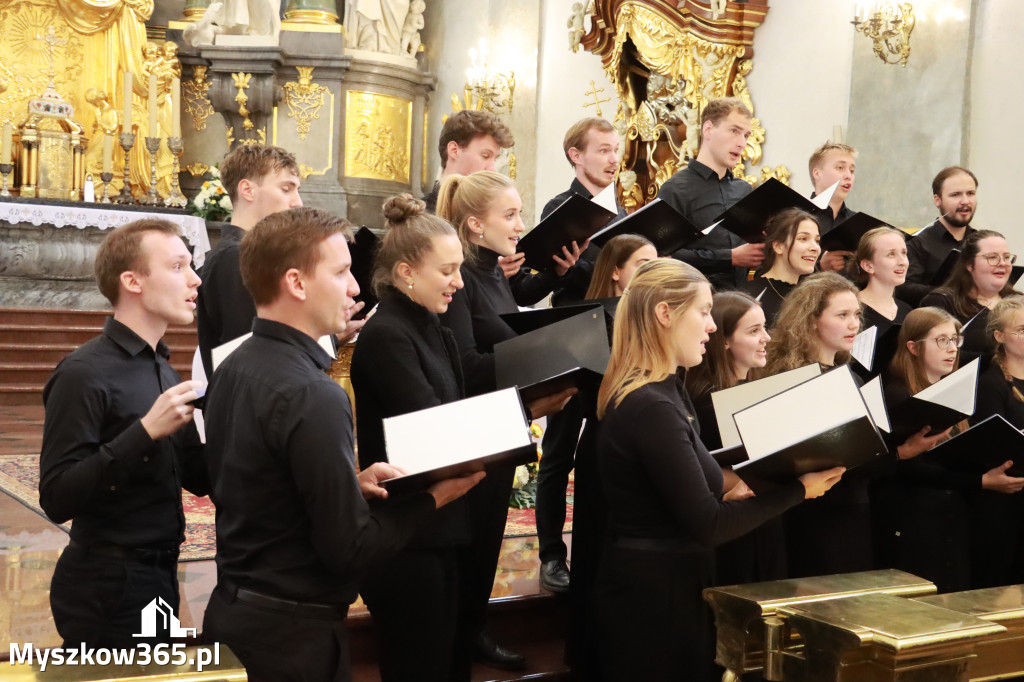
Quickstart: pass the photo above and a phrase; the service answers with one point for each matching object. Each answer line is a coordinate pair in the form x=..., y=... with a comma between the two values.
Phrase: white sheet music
x=864, y=347
x=729, y=401
x=956, y=391
x=758, y=298
x=821, y=200
x=218, y=354
x=874, y=399
x=707, y=230
x=456, y=432
x=606, y=198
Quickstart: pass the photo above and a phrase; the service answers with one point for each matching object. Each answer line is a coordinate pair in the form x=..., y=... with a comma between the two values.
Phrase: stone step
x=55, y=352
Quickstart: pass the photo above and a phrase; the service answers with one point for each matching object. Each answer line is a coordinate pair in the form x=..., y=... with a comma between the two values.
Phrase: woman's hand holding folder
x=818, y=483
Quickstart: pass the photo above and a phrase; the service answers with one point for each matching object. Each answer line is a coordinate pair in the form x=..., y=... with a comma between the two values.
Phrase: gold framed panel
x=378, y=136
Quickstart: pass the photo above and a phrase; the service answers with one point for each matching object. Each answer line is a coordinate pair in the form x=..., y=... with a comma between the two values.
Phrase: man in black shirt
x=831, y=163
x=955, y=193
x=294, y=531
x=119, y=444
x=706, y=188
x=470, y=141
x=260, y=180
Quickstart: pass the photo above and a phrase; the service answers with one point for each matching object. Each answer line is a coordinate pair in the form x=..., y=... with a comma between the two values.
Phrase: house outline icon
x=158, y=615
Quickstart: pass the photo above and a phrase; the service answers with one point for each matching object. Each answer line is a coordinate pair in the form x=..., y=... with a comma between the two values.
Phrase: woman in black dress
x=485, y=209
x=666, y=506
x=404, y=361
x=930, y=537
x=881, y=266
x=791, y=251
x=997, y=520
x=736, y=348
x=980, y=279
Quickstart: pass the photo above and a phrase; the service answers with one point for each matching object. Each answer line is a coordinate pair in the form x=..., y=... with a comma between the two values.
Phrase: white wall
x=997, y=100
x=800, y=83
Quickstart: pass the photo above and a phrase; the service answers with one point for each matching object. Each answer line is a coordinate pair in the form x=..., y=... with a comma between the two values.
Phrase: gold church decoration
x=195, y=94
x=197, y=169
x=241, y=84
x=889, y=27
x=304, y=100
x=666, y=62
x=378, y=136
x=229, y=133
x=595, y=91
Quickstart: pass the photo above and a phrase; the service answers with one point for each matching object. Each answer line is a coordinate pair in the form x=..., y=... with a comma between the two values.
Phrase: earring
x=410, y=286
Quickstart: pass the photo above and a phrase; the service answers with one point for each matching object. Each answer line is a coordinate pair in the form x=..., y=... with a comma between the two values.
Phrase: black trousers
x=488, y=502
x=653, y=623
x=275, y=646
x=997, y=538
x=823, y=538
x=414, y=600
x=758, y=556
x=559, y=446
x=97, y=599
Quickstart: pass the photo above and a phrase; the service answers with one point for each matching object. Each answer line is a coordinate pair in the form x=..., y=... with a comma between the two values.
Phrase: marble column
x=312, y=11
x=908, y=123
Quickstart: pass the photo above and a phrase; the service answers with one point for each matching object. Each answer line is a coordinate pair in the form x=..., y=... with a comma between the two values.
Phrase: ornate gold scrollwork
x=241, y=83
x=230, y=134
x=196, y=94
x=197, y=169
x=304, y=100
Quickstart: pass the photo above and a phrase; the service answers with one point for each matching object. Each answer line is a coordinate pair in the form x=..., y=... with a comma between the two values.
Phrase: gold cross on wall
x=594, y=90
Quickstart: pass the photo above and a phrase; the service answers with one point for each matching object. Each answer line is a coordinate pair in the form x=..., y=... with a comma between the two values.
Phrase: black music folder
x=819, y=424
x=526, y=321
x=941, y=405
x=363, y=248
x=575, y=220
x=846, y=235
x=663, y=225
x=457, y=439
x=983, y=447
x=569, y=353
x=747, y=217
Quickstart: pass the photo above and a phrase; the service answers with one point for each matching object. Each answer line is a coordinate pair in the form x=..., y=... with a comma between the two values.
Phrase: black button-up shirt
x=291, y=520
x=224, y=309
x=827, y=220
x=701, y=196
x=926, y=250
x=98, y=465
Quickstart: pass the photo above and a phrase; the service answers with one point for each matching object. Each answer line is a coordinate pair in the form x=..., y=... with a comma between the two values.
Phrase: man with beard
x=955, y=191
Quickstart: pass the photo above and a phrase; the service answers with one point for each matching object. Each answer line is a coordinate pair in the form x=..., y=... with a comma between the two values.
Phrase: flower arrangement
x=524, y=485
x=212, y=202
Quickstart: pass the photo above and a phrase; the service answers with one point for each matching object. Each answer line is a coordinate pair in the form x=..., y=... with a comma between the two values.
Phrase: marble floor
x=30, y=545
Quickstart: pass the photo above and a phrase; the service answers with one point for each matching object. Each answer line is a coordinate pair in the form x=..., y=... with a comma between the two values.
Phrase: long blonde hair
x=464, y=196
x=641, y=347
x=795, y=341
x=999, y=319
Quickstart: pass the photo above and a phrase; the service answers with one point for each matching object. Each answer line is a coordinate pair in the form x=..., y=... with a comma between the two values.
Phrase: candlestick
x=176, y=199
x=126, y=116
x=5, y=170
x=176, y=107
x=151, y=104
x=6, y=144
x=108, y=153
x=127, y=141
x=106, y=177
x=152, y=197
x=837, y=134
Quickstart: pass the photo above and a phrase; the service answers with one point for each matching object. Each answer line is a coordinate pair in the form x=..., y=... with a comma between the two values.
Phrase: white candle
x=126, y=116
x=153, y=132
x=108, y=153
x=176, y=107
x=837, y=134
x=5, y=145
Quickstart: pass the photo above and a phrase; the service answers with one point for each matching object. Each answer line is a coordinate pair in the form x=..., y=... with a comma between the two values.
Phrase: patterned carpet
x=19, y=478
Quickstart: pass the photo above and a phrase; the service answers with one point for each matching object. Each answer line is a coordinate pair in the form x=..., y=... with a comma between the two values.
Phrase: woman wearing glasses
x=980, y=279
x=925, y=503
x=997, y=520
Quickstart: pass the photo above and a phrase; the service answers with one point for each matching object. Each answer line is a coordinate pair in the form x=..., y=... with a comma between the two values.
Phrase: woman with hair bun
x=406, y=360
x=792, y=248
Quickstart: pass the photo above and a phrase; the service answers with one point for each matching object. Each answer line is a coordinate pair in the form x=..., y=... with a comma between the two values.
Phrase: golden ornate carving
x=304, y=100
x=229, y=133
x=889, y=29
x=241, y=83
x=378, y=136
x=594, y=90
x=196, y=96
x=197, y=170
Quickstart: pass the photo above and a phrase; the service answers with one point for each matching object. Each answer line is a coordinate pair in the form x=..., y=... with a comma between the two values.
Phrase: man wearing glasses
x=955, y=192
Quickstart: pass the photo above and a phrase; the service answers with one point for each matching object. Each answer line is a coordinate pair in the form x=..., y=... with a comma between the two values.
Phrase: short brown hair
x=818, y=155
x=282, y=241
x=576, y=136
x=948, y=172
x=254, y=162
x=463, y=127
x=718, y=109
x=410, y=234
x=121, y=251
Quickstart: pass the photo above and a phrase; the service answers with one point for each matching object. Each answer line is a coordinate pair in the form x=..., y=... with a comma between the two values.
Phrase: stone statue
x=575, y=25
x=252, y=17
x=204, y=31
x=411, y=30
x=376, y=25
